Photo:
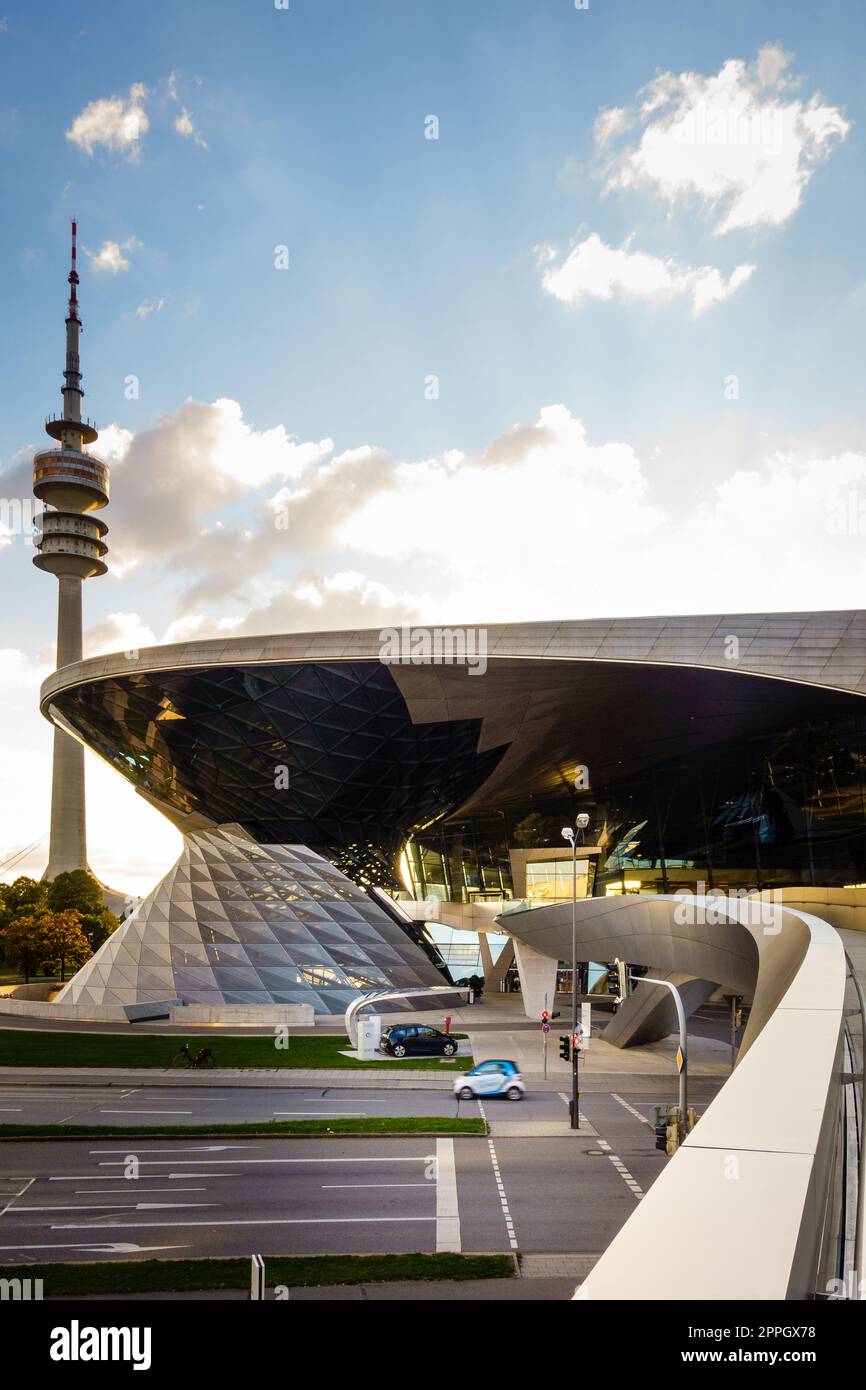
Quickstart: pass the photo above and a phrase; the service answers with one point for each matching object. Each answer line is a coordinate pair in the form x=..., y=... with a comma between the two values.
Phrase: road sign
x=545, y=1028
x=577, y=1039
x=681, y=1059
x=586, y=1023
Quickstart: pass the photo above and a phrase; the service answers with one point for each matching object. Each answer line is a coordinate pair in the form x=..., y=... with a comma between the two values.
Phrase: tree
x=64, y=941
x=78, y=891
x=24, y=896
x=46, y=941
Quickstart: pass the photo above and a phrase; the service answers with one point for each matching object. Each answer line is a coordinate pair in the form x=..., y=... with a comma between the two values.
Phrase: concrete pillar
x=537, y=978
x=493, y=980
x=68, y=846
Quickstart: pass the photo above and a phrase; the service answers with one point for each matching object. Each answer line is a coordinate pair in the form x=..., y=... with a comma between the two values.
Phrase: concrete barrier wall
x=261, y=1015
x=739, y=1211
x=35, y=1008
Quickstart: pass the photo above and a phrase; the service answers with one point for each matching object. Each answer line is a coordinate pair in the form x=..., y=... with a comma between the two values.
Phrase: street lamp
x=569, y=834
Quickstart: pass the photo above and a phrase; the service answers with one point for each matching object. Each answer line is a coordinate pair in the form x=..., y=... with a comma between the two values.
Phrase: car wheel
x=399, y=1050
x=514, y=1093
x=449, y=1049
x=467, y=1093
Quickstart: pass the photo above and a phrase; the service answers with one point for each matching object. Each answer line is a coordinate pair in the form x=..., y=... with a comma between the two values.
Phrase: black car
x=415, y=1039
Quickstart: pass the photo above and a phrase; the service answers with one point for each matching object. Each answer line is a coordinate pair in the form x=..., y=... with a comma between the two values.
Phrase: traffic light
x=565, y=1048
x=545, y=1015
x=672, y=1139
x=617, y=980
x=661, y=1137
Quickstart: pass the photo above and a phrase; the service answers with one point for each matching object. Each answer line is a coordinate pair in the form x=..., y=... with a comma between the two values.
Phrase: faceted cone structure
x=236, y=922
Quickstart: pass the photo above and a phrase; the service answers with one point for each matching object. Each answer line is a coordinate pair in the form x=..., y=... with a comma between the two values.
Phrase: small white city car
x=494, y=1078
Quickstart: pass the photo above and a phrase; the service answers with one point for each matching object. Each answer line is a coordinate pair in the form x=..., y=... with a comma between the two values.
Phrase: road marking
x=263, y=1221
x=620, y=1167
x=500, y=1186
x=324, y=1114
x=124, y=1206
x=161, y=1162
x=447, y=1206
x=95, y=1249
x=10, y=1109
x=337, y=1186
x=145, y=1112
x=630, y=1108
x=108, y=1191
x=28, y=1182
x=121, y=1177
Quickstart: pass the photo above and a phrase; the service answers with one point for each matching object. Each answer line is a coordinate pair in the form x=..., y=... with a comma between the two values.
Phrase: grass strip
x=292, y=1271
x=267, y=1129
x=22, y=1048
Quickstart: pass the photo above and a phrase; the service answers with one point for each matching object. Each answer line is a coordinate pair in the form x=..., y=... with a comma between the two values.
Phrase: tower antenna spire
x=73, y=484
x=73, y=275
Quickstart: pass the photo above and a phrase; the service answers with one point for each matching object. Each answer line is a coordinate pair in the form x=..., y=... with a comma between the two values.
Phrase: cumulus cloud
x=118, y=123
x=740, y=141
x=110, y=256
x=594, y=270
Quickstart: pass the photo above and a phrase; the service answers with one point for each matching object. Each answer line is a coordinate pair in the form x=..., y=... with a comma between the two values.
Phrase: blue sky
x=409, y=258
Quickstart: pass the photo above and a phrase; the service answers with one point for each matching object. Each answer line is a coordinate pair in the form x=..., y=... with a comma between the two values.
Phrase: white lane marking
x=264, y=1221
x=325, y=1114
x=567, y=1100
x=335, y=1186
x=500, y=1186
x=620, y=1167
x=96, y=1248
x=10, y=1109
x=187, y=1149
x=110, y=1191
x=447, y=1206
x=125, y=1206
x=161, y=1162
x=27, y=1182
x=630, y=1108
x=145, y=1112
x=158, y=1177
x=319, y=1100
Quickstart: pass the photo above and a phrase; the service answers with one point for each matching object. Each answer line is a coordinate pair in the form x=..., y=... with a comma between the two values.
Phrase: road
x=545, y=1191
x=42, y=1103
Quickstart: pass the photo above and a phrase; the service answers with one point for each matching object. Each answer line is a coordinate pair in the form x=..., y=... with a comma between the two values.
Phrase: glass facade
x=695, y=775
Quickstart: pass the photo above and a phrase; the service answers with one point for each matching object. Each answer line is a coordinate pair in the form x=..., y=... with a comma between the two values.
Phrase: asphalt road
x=97, y=1198
x=148, y=1106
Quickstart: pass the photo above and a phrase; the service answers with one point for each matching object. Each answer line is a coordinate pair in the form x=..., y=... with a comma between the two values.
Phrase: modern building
x=723, y=753
x=72, y=483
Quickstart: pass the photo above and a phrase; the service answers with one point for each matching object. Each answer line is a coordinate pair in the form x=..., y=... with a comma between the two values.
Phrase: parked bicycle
x=185, y=1058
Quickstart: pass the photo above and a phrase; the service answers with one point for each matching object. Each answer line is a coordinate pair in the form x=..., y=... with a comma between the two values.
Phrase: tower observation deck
x=73, y=483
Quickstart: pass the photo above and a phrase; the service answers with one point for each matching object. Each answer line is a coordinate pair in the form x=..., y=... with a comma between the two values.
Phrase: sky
x=434, y=310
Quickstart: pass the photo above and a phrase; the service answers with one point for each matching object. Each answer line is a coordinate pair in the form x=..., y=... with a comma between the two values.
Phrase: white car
x=494, y=1078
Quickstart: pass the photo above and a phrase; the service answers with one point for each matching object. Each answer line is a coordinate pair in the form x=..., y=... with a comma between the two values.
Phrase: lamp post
x=570, y=834
x=681, y=1019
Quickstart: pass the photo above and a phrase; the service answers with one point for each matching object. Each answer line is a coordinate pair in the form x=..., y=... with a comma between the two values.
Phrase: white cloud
x=116, y=122
x=184, y=124
x=594, y=270
x=739, y=141
x=610, y=121
x=145, y=310
x=110, y=256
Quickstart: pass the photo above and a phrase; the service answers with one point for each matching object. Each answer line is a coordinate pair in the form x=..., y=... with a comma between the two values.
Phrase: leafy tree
x=78, y=891
x=64, y=942
x=47, y=941
x=23, y=896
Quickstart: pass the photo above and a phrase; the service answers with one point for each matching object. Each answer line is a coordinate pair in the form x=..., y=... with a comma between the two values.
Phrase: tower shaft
x=72, y=483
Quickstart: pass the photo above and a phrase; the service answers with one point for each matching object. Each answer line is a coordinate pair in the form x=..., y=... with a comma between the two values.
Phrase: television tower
x=73, y=484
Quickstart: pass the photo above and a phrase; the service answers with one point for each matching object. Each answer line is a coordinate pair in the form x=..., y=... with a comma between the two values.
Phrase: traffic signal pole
x=575, y=1108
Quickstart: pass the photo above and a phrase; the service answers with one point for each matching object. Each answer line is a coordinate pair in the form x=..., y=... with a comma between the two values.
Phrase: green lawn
x=22, y=1048
x=269, y=1129
x=292, y=1271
